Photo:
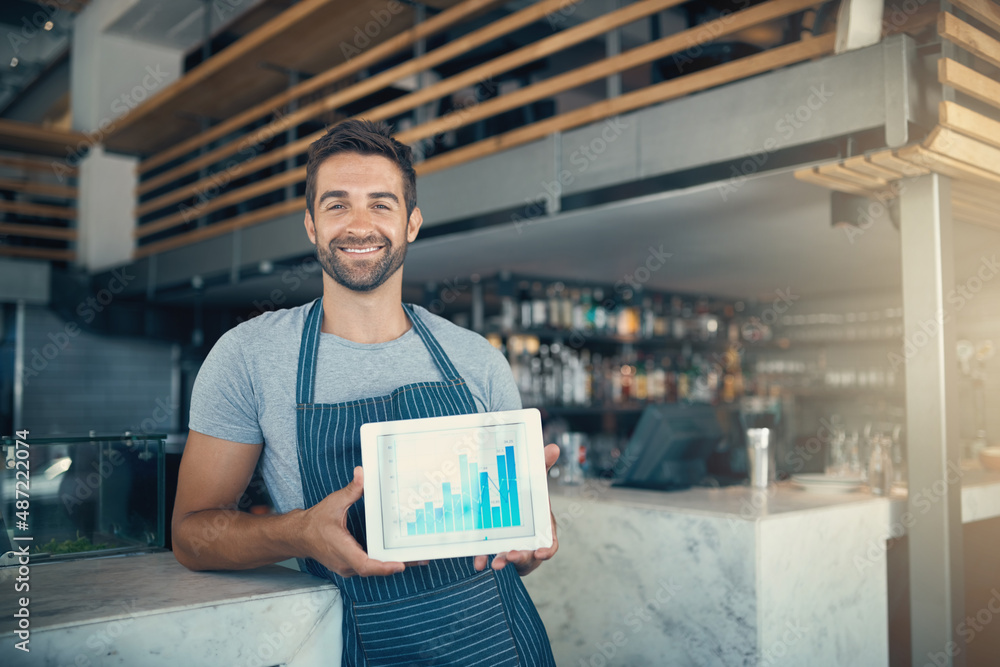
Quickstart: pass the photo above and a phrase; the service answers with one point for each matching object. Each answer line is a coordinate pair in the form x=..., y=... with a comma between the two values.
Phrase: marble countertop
x=733, y=502
x=106, y=589
x=980, y=498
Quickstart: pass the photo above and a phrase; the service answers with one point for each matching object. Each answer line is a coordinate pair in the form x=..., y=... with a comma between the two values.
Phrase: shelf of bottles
x=576, y=347
x=588, y=348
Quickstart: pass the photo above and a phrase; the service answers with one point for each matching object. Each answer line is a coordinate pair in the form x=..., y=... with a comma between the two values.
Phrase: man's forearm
x=223, y=539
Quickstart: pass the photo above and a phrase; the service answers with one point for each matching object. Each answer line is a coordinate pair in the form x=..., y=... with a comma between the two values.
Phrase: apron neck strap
x=309, y=348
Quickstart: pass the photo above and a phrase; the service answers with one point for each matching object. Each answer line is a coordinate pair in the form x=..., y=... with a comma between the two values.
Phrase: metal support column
x=19, y=347
x=291, y=134
x=934, y=512
x=612, y=48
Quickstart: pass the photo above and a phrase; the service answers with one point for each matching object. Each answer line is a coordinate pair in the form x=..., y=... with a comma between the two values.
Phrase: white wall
x=105, y=210
x=110, y=75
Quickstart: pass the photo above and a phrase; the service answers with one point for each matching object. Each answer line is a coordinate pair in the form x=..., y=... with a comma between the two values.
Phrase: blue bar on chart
x=472, y=508
x=477, y=504
x=449, y=520
x=515, y=509
x=504, y=497
x=484, y=501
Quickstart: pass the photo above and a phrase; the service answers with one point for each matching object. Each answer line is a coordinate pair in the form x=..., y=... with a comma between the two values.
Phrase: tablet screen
x=446, y=487
x=455, y=486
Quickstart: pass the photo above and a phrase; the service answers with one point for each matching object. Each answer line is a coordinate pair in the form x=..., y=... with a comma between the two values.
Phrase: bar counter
x=150, y=610
x=728, y=576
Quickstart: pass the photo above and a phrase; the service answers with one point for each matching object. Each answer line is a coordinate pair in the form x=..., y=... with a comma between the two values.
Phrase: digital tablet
x=446, y=487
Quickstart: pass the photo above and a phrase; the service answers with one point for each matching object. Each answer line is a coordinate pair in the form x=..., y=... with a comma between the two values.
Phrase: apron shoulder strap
x=444, y=364
x=308, y=347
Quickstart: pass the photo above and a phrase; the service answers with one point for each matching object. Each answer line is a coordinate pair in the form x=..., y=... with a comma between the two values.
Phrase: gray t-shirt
x=245, y=390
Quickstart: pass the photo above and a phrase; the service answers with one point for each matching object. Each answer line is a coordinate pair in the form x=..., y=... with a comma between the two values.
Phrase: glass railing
x=77, y=497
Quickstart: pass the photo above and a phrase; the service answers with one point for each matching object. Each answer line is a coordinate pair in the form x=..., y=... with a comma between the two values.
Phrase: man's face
x=360, y=227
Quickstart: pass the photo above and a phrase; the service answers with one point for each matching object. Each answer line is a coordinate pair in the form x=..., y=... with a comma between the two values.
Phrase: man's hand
x=328, y=541
x=526, y=561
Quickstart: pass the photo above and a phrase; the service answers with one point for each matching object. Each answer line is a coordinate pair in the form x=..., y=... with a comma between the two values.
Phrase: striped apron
x=443, y=613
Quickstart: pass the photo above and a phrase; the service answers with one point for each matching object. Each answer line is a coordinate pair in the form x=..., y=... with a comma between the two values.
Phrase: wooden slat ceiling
x=37, y=140
x=306, y=37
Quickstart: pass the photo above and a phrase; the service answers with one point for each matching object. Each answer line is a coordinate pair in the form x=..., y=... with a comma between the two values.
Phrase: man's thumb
x=357, y=485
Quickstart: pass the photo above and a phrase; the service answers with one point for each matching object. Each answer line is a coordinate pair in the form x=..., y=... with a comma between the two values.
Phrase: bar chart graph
x=469, y=481
x=483, y=500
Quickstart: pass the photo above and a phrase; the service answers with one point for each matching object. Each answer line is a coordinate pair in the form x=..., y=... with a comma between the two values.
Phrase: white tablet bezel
x=537, y=484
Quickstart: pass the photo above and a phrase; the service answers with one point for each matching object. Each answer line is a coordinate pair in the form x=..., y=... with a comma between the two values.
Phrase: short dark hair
x=364, y=137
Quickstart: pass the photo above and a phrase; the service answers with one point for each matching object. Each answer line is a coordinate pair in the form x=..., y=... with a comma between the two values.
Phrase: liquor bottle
x=615, y=375
x=585, y=387
x=677, y=324
x=658, y=384
x=569, y=297
x=598, y=396
x=553, y=296
x=525, y=302
x=683, y=386
x=647, y=328
x=505, y=288
x=880, y=465
x=627, y=315
x=628, y=382
x=581, y=310
x=598, y=317
x=642, y=380
x=660, y=321
x=539, y=317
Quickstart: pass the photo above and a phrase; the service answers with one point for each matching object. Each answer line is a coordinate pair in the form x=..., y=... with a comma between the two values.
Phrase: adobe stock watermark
x=794, y=632
x=363, y=35
x=797, y=460
x=785, y=128
x=877, y=206
x=707, y=32
x=449, y=292
x=293, y=278
x=634, y=620
x=783, y=300
x=34, y=25
x=38, y=359
x=102, y=641
x=582, y=159
x=458, y=117
x=969, y=629
x=287, y=635
x=249, y=148
x=930, y=328
x=900, y=15
x=557, y=17
x=922, y=501
x=121, y=107
x=630, y=282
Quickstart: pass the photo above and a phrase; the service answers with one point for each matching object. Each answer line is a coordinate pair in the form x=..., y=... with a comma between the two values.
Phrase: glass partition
x=83, y=496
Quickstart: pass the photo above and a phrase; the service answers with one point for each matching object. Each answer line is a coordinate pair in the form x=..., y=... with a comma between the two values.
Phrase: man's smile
x=362, y=251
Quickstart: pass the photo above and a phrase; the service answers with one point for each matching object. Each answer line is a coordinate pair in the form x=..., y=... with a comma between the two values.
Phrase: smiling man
x=293, y=387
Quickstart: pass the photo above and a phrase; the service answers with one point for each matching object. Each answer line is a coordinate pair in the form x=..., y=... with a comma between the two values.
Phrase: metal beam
x=937, y=602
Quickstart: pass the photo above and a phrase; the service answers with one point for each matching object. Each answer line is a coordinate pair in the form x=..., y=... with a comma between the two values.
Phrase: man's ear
x=413, y=225
x=310, y=227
